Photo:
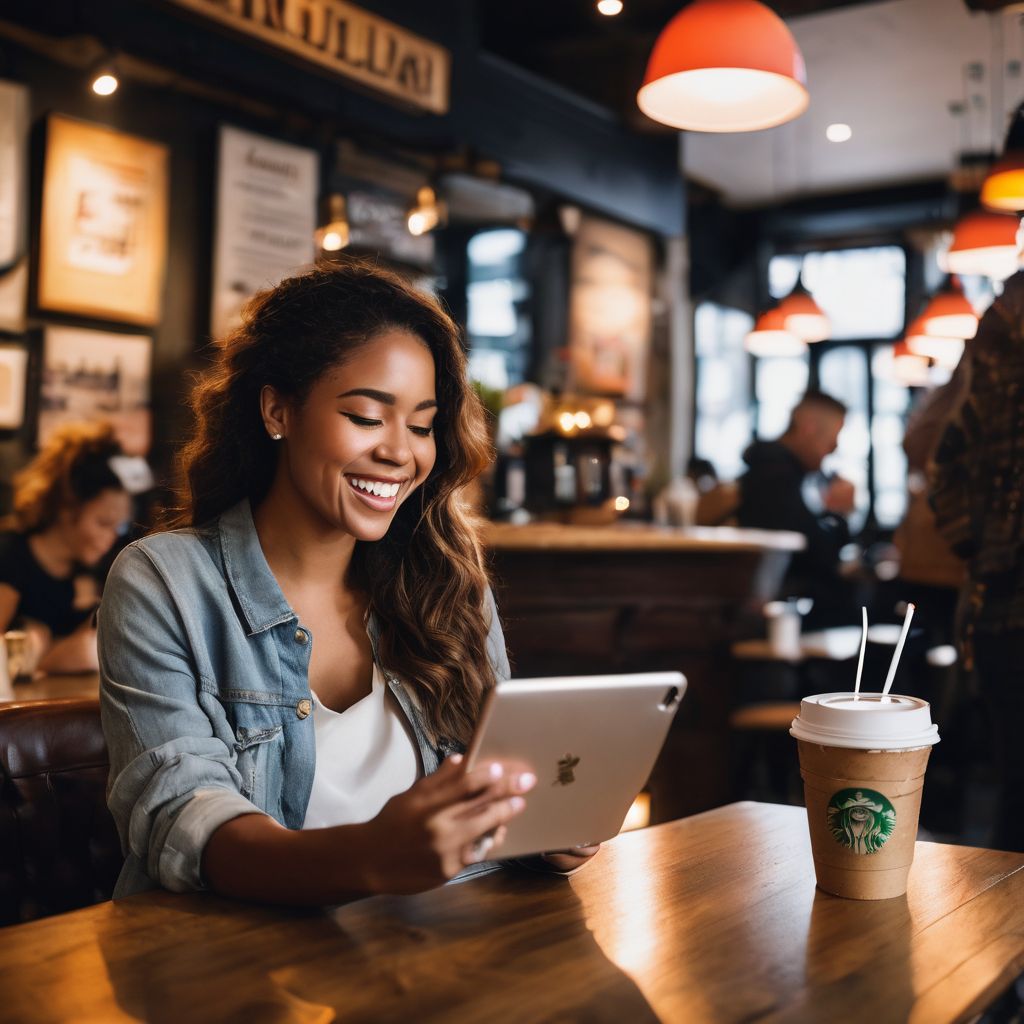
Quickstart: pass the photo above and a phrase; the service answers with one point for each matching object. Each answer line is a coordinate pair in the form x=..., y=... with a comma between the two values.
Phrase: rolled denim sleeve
x=173, y=780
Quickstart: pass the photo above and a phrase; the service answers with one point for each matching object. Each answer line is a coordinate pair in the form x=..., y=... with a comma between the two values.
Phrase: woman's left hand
x=569, y=860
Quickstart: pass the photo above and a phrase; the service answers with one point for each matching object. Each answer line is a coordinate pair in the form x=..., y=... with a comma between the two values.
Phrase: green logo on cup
x=860, y=819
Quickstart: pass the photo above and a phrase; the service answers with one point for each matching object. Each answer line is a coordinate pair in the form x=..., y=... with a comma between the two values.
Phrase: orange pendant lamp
x=908, y=368
x=724, y=66
x=770, y=337
x=803, y=316
x=1003, y=189
x=949, y=314
x=984, y=243
x=945, y=352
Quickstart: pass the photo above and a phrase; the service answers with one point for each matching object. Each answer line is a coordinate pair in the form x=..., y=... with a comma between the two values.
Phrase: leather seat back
x=59, y=848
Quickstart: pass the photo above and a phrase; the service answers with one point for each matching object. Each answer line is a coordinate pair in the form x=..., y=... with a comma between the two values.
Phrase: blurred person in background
x=772, y=498
x=977, y=491
x=69, y=508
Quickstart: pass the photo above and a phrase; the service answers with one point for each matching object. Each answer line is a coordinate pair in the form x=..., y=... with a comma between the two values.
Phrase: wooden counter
x=713, y=918
x=579, y=600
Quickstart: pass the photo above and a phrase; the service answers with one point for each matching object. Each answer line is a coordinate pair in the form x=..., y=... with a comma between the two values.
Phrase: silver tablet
x=590, y=740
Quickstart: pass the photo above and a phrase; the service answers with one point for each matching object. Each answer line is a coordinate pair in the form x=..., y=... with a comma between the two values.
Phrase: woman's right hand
x=442, y=823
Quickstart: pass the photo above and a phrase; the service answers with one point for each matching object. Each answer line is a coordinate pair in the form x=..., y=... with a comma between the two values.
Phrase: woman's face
x=92, y=531
x=363, y=440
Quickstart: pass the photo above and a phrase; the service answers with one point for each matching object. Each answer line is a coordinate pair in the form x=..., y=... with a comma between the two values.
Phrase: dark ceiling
x=600, y=58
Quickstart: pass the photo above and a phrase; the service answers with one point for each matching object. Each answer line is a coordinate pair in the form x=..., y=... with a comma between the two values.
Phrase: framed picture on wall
x=103, y=234
x=14, y=120
x=13, y=371
x=97, y=375
x=610, y=309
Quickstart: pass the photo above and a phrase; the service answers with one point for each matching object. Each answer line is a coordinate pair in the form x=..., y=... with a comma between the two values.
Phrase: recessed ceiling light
x=609, y=7
x=838, y=132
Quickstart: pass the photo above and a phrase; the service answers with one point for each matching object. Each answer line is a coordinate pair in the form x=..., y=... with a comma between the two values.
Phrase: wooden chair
x=59, y=848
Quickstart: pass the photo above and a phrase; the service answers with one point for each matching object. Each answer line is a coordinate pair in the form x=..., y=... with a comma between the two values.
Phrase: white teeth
x=377, y=487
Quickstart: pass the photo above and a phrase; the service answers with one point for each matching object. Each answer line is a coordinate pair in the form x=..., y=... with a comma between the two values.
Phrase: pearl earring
x=276, y=437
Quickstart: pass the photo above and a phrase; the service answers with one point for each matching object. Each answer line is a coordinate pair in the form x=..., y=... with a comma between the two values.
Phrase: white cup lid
x=867, y=721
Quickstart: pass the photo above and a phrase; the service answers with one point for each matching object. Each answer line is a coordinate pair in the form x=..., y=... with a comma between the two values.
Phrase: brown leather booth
x=59, y=848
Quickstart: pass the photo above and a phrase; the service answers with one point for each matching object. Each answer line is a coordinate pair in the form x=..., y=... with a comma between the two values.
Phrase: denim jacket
x=205, y=698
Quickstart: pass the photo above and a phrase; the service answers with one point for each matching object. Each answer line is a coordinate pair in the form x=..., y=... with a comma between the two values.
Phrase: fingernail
x=526, y=781
x=455, y=758
x=495, y=770
x=517, y=803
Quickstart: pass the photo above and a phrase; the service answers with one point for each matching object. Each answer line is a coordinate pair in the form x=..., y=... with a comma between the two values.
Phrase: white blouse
x=365, y=755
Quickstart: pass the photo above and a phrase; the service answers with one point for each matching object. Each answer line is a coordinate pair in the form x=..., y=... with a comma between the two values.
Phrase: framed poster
x=103, y=236
x=610, y=309
x=13, y=371
x=14, y=111
x=266, y=219
x=97, y=375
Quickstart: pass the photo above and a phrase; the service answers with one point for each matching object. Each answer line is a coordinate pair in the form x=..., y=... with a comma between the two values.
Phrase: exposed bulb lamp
x=948, y=314
x=609, y=8
x=802, y=316
x=334, y=234
x=984, y=243
x=724, y=66
x=1003, y=189
x=770, y=337
x=103, y=77
x=427, y=213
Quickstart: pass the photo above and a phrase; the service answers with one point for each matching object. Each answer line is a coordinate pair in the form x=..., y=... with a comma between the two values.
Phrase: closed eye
x=422, y=431
x=361, y=421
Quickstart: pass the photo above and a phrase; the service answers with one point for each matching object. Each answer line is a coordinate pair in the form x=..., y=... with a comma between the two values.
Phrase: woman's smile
x=379, y=493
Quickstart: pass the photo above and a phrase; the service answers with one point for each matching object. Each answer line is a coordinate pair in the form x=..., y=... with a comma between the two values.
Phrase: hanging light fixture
x=983, y=243
x=724, y=66
x=908, y=368
x=770, y=337
x=333, y=233
x=104, y=79
x=802, y=315
x=1003, y=189
x=944, y=352
x=948, y=314
x=427, y=212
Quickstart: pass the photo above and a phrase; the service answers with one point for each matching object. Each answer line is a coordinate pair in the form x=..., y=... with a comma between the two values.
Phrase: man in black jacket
x=771, y=497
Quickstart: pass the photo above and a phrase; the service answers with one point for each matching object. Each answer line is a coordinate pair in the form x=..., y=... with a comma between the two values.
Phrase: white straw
x=899, y=650
x=863, y=646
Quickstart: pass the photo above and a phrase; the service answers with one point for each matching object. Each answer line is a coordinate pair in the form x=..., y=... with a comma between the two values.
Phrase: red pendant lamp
x=803, y=316
x=984, y=243
x=908, y=367
x=945, y=352
x=1003, y=189
x=949, y=314
x=770, y=337
x=724, y=66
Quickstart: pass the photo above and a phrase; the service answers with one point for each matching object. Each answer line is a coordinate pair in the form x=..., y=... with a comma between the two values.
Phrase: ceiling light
x=428, y=212
x=770, y=337
x=909, y=369
x=948, y=314
x=1003, y=189
x=724, y=66
x=985, y=244
x=945, y=352
x=803, y=316
x=609, y=8
x=103, y=77
x=333, y=234
x=838, y=132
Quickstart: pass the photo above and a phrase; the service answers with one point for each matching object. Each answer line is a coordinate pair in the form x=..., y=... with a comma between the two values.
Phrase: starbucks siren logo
x=860, y=819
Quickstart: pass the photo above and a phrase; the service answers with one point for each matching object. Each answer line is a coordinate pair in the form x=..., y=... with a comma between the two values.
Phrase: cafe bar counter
x=712, y=918
x=580, y=600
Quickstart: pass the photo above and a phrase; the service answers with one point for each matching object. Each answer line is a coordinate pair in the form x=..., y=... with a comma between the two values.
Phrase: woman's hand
x=444, y=822
x=570, y=860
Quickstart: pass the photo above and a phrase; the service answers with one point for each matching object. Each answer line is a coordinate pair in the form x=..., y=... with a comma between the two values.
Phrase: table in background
x=714, y=917
x=58, y=687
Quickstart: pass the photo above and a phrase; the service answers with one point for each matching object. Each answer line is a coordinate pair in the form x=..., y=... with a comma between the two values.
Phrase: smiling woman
x=291, y=671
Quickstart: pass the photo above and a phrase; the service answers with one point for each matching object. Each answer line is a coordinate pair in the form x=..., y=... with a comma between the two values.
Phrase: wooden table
x=714, y=917
x=57, y=687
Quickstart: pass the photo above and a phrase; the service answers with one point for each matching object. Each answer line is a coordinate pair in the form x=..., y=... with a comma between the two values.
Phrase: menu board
x=266, y=219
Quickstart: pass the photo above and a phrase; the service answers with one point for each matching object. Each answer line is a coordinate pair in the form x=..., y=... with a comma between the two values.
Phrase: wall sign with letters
x=344, y=38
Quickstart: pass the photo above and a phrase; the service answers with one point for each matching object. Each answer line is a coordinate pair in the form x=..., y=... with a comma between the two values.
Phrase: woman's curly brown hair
x=71, y=469
x=425, y=578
